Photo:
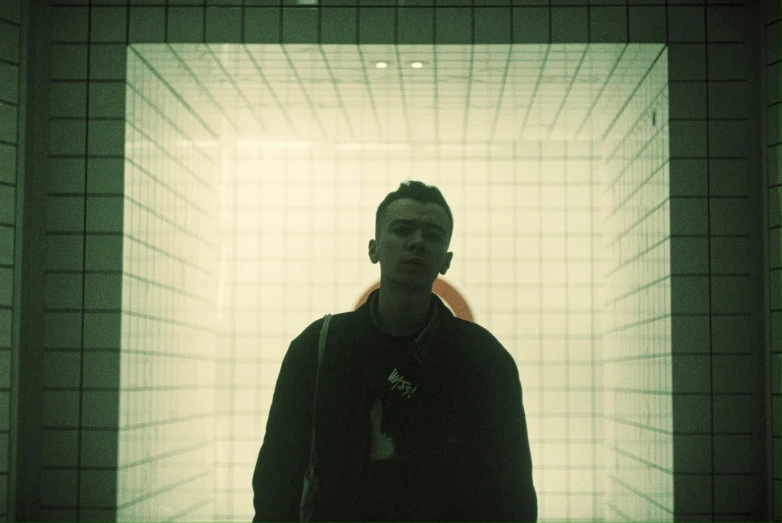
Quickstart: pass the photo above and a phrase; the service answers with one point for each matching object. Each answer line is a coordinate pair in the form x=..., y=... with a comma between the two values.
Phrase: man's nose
x=417, y=237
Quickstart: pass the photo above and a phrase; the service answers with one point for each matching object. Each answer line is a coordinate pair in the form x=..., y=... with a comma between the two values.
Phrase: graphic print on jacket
x=381, y=445
x=386, y=430
x=383, y=439
x=400, y=383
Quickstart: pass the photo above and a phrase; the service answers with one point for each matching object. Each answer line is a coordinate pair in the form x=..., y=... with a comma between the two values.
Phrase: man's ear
x=447, y=264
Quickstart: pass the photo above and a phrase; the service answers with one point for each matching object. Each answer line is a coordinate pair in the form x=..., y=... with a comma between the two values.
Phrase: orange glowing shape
x=450, y=296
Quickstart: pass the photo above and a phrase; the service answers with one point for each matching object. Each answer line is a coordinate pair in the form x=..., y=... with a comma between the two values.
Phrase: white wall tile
x=58, y=487
x=109, y=24
x=725, y=23
x=107, y=62
x=686, y=24
x=69, y=24
x=67, y=137
x=223, y=25
x=147, y=24
x=730, y=295
x=568, y=24
x=69, y=62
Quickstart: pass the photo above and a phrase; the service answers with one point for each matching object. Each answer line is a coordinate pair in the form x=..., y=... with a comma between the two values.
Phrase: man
x=419, y=415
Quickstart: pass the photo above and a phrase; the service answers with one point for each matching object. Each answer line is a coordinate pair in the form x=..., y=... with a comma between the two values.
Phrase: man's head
x=412, y=222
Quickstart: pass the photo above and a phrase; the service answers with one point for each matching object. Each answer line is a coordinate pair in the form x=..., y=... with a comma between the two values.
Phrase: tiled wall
x=166, y=467
x=10, y=46
x=536, y=294
x=706, y=144
x=84, y=230
x=716, y=377
x=636, y=345
x=773, y=183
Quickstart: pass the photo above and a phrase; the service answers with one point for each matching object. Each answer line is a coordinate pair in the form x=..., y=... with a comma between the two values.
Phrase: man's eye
x=406, y=230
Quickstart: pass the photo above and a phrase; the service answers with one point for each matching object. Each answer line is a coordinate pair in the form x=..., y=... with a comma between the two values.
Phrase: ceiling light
x=381, y=65
x=271, y=144
x=369, y=146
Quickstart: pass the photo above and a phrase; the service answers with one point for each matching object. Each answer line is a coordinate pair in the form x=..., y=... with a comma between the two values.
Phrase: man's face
x=411, y=229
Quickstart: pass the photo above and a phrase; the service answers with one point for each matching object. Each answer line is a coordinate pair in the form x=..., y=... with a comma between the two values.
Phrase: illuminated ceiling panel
x=461, y=93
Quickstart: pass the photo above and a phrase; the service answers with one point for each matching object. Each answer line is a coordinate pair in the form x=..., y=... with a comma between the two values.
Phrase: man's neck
x=403, y=314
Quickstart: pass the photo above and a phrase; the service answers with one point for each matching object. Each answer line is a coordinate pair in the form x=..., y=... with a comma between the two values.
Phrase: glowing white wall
x=166, y=391
x=288, y=244
x=637, y=357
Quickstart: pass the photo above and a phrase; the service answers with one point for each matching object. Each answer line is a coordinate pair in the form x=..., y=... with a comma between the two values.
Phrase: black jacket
x=465, y=429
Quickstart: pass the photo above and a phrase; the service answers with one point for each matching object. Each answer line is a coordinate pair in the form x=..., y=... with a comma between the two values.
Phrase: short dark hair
x=414, y=190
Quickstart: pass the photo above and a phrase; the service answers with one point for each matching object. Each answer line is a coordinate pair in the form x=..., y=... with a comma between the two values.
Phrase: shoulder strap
x=321, y=346
x=322, y=341
x=310, y=479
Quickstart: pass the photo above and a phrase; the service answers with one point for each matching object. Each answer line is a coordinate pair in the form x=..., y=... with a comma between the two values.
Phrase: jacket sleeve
x=285, y=453
x=513, y=460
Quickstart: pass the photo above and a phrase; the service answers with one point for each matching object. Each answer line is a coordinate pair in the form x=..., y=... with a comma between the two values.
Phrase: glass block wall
x=284, y=204
x=10, y=139
x=637, y=359
x=710, y=170
x=165, y=462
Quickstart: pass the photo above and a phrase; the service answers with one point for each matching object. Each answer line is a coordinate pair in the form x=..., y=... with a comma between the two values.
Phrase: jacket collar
x=438, y=313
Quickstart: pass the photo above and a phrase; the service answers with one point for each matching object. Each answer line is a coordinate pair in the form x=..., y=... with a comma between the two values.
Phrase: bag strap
x=321, y=346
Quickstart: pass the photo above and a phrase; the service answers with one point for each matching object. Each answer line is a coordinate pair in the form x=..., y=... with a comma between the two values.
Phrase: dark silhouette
x=419, y=414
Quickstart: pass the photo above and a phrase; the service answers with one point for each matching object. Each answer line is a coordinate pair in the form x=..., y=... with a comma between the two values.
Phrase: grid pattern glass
x=299, y=169
x=637, y=357
x=168, y=357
